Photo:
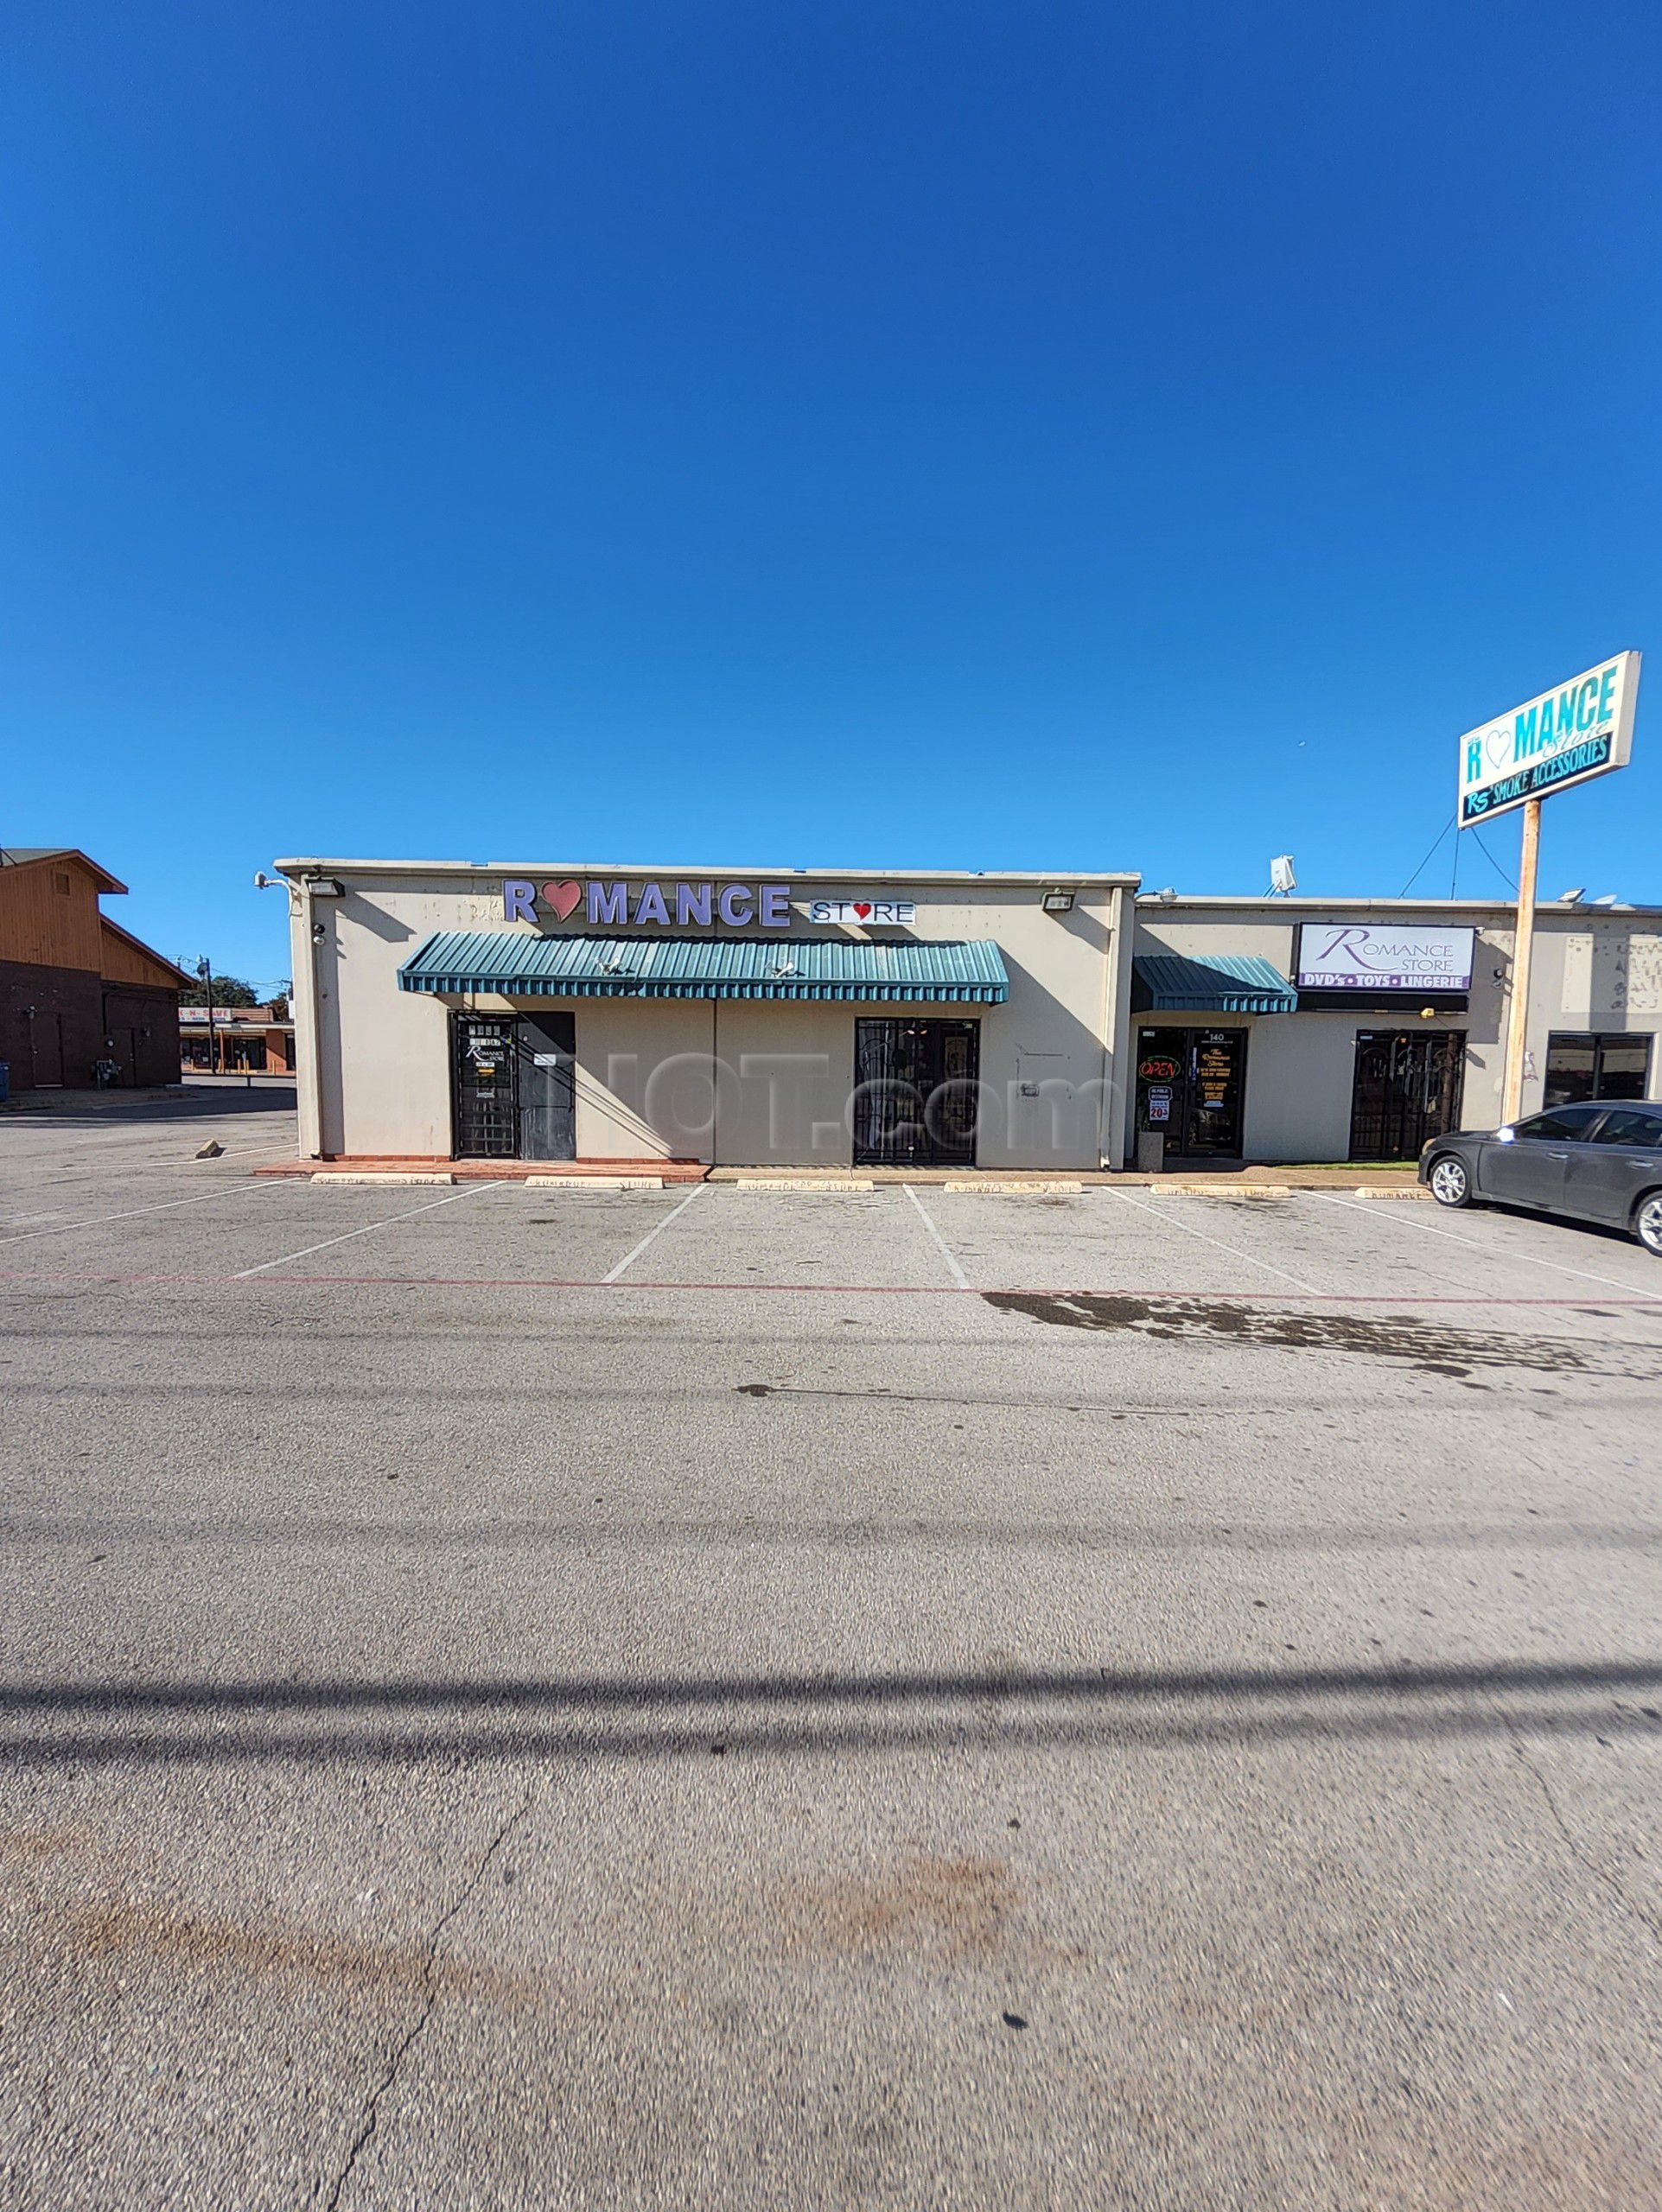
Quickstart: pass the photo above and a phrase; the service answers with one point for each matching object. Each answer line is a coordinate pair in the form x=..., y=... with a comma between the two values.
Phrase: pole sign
x=1576, y=730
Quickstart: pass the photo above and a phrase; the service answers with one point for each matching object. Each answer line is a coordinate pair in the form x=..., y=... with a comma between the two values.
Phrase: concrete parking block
x=330, y=1177
x=1020, y=1189
x=804, y=1183
x=1211, y=1190
x=594, y=1182
x=1391, y=1191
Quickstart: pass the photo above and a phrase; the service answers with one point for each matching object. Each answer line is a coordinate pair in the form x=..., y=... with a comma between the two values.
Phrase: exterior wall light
x=1058, y=902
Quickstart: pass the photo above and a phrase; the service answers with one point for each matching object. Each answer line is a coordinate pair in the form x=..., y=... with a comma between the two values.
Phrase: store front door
x=1406, y=1088
x=915, y=1100
x=515, y=1095
x=46, y=1037
x=486, y=1093
x=546, y=1046
x=1191, y=1086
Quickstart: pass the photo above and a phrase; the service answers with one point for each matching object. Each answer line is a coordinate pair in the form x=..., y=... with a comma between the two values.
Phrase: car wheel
x=1450, y=1185
x=1647, y=1222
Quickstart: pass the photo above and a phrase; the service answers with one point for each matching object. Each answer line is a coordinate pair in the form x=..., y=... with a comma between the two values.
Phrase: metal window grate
x=1407, y=1087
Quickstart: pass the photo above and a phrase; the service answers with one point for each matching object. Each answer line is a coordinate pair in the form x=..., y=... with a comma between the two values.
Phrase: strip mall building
x=812, y=1018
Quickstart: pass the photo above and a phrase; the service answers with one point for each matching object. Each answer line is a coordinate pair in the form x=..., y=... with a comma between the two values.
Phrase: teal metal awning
x=517, y=963
x=1227, y=982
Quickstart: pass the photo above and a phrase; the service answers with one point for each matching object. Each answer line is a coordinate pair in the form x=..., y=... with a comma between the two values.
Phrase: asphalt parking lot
x=762, y=1698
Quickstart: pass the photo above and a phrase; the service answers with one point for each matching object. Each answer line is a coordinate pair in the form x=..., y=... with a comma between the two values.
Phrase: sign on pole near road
x=1577, y=730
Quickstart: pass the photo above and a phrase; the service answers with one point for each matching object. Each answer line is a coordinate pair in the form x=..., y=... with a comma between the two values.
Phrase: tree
x=228, y=990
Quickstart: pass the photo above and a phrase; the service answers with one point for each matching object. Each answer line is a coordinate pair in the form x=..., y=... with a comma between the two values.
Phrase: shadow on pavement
x=800, y=1715
x=155, y=1112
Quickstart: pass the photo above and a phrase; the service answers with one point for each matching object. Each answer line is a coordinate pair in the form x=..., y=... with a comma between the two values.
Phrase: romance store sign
x=611, y=903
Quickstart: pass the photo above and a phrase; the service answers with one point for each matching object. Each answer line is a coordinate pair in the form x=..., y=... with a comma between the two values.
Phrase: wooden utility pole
x=205, y=970
x=1512, y=1087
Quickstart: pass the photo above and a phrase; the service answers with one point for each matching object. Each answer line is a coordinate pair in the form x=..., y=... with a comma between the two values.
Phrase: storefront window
x=1191, y=1085
x=1581, y=1064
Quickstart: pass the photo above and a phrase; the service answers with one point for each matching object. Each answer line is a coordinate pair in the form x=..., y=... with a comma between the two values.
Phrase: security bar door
x=487, y=1087
x=515, y=1094
x=1407, y=1087
x=914, y=1102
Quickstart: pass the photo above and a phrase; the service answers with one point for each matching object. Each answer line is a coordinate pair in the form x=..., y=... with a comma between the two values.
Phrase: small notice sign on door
x=545, y=1059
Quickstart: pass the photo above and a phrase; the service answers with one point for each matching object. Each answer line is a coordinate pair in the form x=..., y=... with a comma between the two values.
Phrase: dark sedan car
x=1602, y=1161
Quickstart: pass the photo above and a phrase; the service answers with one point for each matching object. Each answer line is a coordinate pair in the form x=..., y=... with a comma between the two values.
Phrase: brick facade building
x=75, y=988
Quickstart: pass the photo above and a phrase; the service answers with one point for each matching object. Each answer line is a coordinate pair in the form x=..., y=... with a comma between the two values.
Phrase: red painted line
x=822, y=1289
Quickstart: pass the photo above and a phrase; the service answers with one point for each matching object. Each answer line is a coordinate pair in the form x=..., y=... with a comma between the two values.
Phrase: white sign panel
x=1578, y=729
x=867, y=913
x=1358, y=957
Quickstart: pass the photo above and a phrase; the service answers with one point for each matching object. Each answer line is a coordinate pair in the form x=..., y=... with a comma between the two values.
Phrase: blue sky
x=937, y=434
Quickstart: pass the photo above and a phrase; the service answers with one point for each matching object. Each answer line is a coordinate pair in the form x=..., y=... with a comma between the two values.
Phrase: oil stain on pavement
x=1434, y=1348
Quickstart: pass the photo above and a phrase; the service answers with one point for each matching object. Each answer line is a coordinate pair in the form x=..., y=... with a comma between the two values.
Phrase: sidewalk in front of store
x=1348, y=1175
x=1334, y=1175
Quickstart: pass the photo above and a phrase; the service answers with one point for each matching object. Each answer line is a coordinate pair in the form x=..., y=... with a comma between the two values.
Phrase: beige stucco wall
x=1590, y=972
x=1597, y=973
x=378, y=1082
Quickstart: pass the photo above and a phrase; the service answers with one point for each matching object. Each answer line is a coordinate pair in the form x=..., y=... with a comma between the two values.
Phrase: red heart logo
x=563, y=897
x=863, y=907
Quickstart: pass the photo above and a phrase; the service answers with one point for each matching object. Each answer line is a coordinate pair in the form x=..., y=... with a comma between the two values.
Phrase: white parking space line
x=168, y=1205
x=1234, y=1251
x=67, y=1214
x=368, y=1230
x=1453, y=1236
x=674, y=1214
x=941, y=1245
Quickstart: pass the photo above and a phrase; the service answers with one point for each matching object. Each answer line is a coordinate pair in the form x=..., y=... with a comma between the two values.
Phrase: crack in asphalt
x=1602, y=1875
x=465, y=1896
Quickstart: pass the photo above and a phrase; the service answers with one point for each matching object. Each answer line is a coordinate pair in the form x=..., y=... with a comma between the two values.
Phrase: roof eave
x=105, y=881
x=659, y=871
x=149, y=950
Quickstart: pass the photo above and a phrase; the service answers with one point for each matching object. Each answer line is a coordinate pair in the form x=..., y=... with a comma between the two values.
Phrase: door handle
x=1557, y=1155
